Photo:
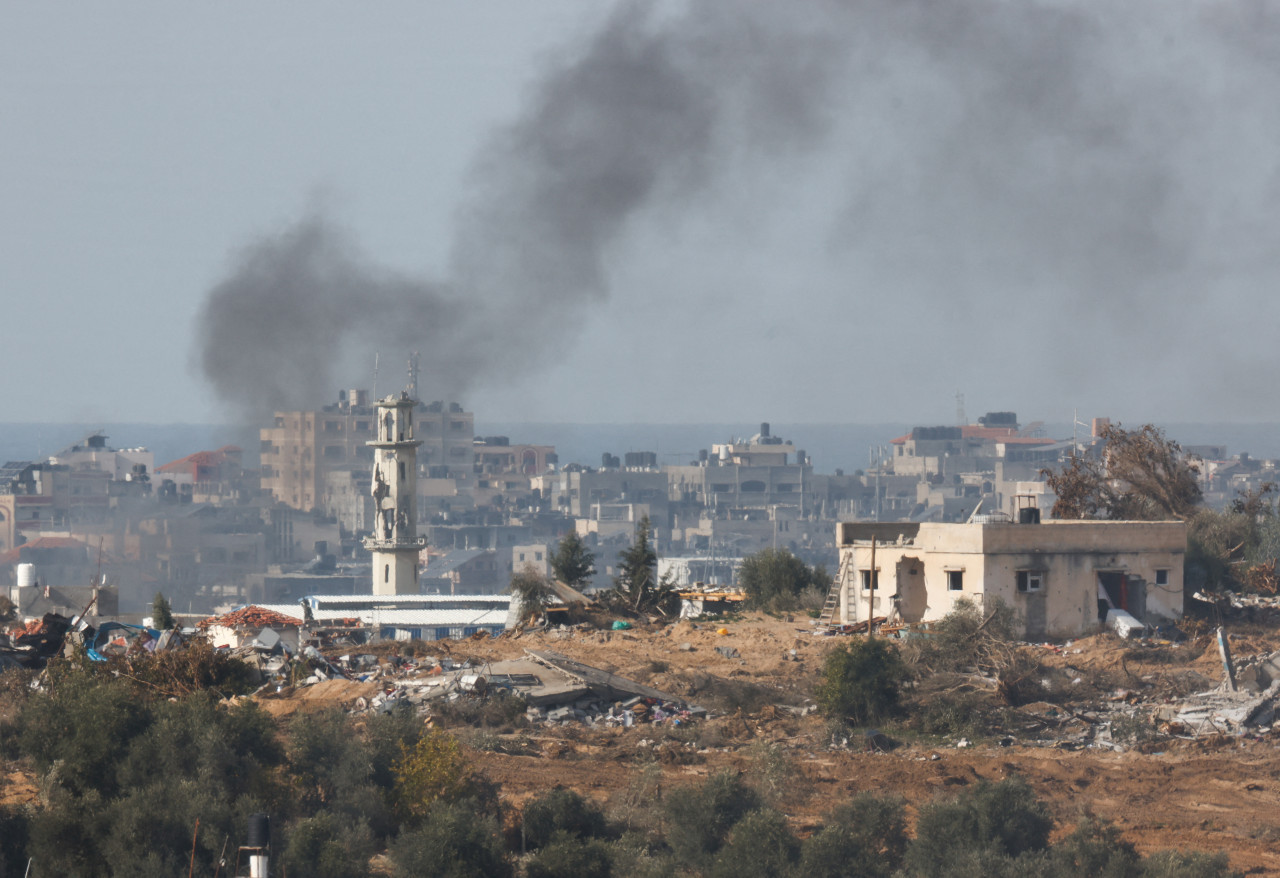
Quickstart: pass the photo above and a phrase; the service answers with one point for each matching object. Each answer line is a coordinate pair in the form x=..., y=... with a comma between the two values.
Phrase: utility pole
x=871, y=592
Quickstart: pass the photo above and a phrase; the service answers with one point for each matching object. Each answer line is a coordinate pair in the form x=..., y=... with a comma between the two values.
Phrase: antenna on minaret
x=961, y=420
x=413, y=376
x=375, y=375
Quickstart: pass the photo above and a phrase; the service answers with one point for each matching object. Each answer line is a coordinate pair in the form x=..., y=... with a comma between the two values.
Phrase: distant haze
x=802, y=212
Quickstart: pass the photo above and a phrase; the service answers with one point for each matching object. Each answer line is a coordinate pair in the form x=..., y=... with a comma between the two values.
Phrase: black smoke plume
x=989, y=169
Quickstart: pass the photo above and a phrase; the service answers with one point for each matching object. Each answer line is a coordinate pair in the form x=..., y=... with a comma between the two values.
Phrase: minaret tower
x=395, y=542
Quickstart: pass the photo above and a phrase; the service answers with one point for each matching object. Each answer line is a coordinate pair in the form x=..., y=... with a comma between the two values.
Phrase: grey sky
x=813, y=211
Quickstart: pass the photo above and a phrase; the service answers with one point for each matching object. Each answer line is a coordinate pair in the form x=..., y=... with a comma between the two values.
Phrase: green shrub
x=699, y=818
x=861, y=681
x=452, y=842
x=761, y=845
x=1095, y=849
x=569, y=856
x=1004, y=818
x=775, y=579
x=561, y=812
x=327, y=846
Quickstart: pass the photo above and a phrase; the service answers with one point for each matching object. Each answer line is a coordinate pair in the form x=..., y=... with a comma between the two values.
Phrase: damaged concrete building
x=1062, y=577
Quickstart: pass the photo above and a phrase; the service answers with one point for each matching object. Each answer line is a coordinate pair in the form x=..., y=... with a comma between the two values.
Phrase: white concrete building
x=1060, y=576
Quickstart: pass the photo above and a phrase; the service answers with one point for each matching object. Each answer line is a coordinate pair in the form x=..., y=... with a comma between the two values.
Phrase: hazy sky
x=582, y=211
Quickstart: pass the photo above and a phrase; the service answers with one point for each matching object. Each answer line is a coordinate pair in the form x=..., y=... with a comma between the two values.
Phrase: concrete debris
x=1125, y=624
x=555, y=688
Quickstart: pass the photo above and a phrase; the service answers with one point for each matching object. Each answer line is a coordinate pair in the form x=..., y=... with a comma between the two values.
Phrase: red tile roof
x=250, y=617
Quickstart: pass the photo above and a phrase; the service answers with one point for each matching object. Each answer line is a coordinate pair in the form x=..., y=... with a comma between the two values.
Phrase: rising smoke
x=982, y=161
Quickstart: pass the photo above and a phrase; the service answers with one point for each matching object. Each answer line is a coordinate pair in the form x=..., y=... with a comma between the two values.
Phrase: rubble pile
x=556, y=689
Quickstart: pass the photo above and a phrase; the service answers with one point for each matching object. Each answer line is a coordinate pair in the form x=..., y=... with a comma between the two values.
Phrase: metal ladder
x=829, y=609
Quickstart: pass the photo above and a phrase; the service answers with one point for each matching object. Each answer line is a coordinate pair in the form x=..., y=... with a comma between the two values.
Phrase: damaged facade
x=1062, y=577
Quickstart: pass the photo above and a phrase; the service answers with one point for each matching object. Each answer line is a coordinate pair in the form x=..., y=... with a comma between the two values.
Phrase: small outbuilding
x=1062, y=577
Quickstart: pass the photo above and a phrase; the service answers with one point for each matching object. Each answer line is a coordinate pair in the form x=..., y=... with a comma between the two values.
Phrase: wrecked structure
x=1062, y=577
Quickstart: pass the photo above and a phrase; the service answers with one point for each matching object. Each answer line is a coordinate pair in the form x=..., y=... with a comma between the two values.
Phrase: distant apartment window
x=955, y=580
x=402, y=470
x=334, y=452
x=537, y=556
x=333, y=426
x=522, y=556
x=866, y=579
x=362, y=426
x=457, y=425
x=386, y=573
x=1162, y=577
x=1030, y=580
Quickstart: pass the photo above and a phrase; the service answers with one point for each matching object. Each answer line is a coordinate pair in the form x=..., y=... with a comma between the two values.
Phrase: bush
x=964, y=638
x=325, y=846
x=761, y=844
x=561, y=812
x=699, y=819
x=861, y=681
x=774, y=579
x=452, y=842
x=1096, y=849
x=569, y=856
x=1003, y=818
x=434, y=770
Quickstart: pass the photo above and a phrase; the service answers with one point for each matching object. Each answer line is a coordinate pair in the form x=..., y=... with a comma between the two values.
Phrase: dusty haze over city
x=813, y=212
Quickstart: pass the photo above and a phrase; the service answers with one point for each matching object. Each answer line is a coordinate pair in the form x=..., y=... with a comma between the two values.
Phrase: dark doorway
x=1118, y=590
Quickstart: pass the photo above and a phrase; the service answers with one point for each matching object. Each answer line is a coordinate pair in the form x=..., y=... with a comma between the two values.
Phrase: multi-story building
x=302, y=448
x=310, y=459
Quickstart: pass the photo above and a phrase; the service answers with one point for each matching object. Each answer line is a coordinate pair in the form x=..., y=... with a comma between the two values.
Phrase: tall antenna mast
x=374, y=392
x=413, y=376
x=961, y=420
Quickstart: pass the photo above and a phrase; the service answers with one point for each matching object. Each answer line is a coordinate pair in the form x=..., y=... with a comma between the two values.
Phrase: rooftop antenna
x=413, y=376
x=961, y=420
x=375, y=375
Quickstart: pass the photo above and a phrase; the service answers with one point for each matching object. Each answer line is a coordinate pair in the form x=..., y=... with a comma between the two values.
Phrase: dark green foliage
x=328, y=846
x=561, y=811
x=569, y=856
x=699, y=818
x=335, y=767
x=161, y=614
x=572, y=562
x=861, y=681
x=13, y=841
x=774, y=579
x=866, y=837
x=1005, y=818
x=1096, y=849
x=127, y=778
x=761, y=845
x=452, y=842
x=636, y=586
x=82, y=722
